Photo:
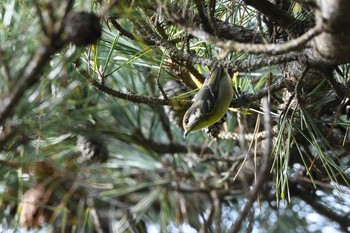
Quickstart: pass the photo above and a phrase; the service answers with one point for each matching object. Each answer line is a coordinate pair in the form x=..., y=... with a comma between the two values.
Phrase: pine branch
x=29, y=76
x=230, y=46
x=239, y=65
x=132, y=97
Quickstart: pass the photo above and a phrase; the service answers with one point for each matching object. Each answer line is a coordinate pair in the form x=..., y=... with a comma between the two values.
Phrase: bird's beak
x=186, y=133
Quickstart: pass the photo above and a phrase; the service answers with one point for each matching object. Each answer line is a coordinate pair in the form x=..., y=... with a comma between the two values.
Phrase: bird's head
x=191, y=120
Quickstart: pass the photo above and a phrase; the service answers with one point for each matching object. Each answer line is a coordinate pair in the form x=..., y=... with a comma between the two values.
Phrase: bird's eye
x=186, y=121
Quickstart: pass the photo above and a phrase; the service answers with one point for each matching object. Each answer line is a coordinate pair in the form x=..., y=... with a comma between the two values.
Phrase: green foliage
x=151, y=176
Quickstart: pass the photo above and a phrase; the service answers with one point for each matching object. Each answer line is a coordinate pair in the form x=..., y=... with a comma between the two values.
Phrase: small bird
x=210, y=103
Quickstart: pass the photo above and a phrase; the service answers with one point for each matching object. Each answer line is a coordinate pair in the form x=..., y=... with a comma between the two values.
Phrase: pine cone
x=92, y=149
x=82, y=28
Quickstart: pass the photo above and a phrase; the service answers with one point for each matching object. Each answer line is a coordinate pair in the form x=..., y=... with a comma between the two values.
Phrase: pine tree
x=92, y=99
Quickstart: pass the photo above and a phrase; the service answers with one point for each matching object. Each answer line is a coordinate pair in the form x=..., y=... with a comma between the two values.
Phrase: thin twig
x=211, y=11
x=218, y=210
x=263, y=173
x=275, y=14
x=203, y=16
x=67, y=196
x=260, y=28
x=299, y=85
x=107, y=8
x=5, y=63
x=341, y=90
x=124, y=32
x=207, y=219
x=94, y=216
x=223, y=159
x=41, y=19
x=247, y=98
x=164, y=120
x=160, y=88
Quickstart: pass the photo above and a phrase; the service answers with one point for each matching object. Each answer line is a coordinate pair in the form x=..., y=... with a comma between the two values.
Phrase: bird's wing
x=207, y=97
x=208, y=94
